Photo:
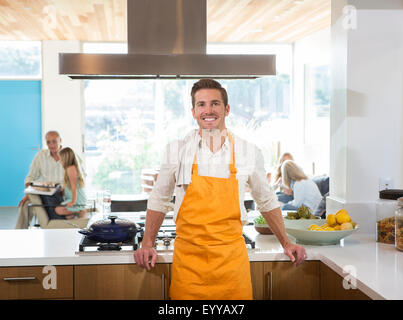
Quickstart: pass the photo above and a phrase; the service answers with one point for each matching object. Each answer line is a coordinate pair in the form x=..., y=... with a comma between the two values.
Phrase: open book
x=42, y=188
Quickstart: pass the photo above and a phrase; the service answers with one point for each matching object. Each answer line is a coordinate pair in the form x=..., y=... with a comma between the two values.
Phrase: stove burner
x=110, y=246
x=165, y=237
x=91, y=245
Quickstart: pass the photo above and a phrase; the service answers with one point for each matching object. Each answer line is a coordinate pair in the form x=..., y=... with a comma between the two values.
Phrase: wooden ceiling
x=255, y=21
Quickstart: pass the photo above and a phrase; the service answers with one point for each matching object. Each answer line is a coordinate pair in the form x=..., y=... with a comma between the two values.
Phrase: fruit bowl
x=319, y=238
x=301, y=223
x=263, y=229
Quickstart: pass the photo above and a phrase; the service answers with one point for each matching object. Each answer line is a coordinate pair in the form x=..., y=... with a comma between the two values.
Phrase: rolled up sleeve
x=162, y=193
x=34, y=170
x=264, y=196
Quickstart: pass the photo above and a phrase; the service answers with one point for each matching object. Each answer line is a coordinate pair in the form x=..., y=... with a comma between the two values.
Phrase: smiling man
x=208, y=171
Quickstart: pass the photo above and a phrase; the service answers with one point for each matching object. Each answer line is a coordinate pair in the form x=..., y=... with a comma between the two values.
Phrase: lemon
x=329, y=229
x=342, y=218
x=331, y=220
x=338, y=227
x=346, y=226
x=313, y=227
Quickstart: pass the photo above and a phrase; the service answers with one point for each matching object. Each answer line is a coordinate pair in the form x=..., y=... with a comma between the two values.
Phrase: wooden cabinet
x=36, y=282
x=277, y=280
x=280, y=280
x=312, y=280
x=123, y=282
x=331, y=287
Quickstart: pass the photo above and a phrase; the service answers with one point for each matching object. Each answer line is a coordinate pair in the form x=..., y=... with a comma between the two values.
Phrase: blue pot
x=111, y=230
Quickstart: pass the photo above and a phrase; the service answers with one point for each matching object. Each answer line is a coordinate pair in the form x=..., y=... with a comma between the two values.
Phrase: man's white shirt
x=176, y=171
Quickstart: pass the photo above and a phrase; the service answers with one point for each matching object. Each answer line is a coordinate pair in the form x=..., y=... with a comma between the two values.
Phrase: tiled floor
x=8, y=217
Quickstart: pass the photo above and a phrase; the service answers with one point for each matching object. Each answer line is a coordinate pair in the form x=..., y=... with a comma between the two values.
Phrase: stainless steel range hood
x=166, y=39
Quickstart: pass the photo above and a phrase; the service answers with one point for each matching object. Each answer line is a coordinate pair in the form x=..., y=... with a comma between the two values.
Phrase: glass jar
x=399, y=225
x=385, y=215
x=107, y=204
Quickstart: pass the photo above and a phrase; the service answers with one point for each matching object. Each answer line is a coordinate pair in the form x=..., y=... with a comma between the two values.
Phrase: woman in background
x=305, y=191
x=74, y=193
x=284, y=194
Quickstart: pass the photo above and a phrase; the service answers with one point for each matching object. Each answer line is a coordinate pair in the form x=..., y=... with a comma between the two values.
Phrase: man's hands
x=275, y=220
x=23, y=200
x=295, y=252
x=145, y=256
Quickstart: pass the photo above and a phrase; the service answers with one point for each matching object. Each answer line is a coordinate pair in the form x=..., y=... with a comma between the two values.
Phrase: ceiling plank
x=234, y=21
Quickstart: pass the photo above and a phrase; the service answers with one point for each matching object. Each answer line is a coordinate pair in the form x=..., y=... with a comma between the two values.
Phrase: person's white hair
x=291, y=171
x=53, y=132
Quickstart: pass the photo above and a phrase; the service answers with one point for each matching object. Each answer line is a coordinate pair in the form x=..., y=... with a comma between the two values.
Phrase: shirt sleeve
x=161, y=195
x=298, y=192
x=35, y=170
x=261, y=191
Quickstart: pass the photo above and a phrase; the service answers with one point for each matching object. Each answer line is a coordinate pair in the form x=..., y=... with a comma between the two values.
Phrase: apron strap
x=232, y=169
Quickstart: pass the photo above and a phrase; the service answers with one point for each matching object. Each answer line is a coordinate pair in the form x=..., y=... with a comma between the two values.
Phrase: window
x=317, y=117
x=20, y=59
x=129, y=122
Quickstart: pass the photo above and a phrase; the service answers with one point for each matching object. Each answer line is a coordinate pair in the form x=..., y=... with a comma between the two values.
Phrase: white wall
x=313, y=50
x=367, y=107
x=62, y=104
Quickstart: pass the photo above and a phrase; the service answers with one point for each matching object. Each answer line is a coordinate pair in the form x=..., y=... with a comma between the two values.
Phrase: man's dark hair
x=208, y=84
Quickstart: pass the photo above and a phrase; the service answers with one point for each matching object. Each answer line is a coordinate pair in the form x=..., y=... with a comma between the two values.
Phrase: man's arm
x=34, y=174
x=158, y=204
x=147, y=254
x=34, y=170
x=269, y=207
x=275, y=221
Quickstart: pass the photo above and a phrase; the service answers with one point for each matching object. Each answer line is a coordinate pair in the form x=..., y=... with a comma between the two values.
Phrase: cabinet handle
x=163, y=286
x=19, y=279
x=270, y=285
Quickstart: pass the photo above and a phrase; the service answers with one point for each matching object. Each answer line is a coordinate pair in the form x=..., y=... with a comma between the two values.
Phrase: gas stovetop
x=164, y=242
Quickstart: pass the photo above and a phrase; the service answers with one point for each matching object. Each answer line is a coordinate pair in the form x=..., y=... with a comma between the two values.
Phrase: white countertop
x=379, y=267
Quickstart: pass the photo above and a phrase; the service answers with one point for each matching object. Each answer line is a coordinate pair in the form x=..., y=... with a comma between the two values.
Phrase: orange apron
x=210, y=260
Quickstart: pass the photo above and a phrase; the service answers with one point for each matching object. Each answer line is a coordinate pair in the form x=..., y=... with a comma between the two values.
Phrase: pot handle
x=113, y=218
x=85, y=232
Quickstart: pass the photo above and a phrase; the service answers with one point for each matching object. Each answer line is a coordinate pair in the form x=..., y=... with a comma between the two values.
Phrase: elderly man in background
x=46, y=166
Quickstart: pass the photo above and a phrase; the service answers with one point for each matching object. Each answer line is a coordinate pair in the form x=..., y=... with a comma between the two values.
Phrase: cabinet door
x=283, y=281
x=331, y=287
x=36, y=283
x=258, y=281
x=123, y=282
x=280, y=280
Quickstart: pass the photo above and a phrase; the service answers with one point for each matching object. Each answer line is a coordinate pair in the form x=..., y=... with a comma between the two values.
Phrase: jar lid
x=391, y=194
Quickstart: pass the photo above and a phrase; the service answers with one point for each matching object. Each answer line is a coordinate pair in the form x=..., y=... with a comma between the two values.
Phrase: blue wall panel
x=20, y=136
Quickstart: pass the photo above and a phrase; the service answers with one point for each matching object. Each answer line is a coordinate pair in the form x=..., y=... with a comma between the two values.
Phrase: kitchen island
x=376, y=269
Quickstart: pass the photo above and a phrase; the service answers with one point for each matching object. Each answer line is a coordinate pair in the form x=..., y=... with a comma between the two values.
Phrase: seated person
x=284, y=194
x=305, y=191
x=74, y=193
x=44, y=167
